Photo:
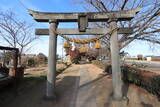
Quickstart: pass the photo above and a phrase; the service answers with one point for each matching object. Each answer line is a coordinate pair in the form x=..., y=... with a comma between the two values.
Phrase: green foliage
x=41, y=59
x=134, y=76
x=106, y=66
x=7, y=56
x=151, y=84
x=76, y=60
x=4, y=70
x=31, y=62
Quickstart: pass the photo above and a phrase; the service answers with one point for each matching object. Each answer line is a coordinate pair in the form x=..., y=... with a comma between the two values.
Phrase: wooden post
x=51, y=76
x=116, y=70
x=16, y=62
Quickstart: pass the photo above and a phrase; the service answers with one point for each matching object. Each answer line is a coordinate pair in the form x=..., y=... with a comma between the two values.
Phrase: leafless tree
x=146, y=24
x=15, y=32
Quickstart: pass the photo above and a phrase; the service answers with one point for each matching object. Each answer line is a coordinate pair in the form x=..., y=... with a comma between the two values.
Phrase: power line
x=23, y=5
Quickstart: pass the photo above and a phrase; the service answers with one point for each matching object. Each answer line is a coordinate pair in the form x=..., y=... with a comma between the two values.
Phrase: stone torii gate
x=83, y=19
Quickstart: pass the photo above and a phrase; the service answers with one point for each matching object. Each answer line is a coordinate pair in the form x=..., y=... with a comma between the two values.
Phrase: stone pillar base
x=119, y=103
x=50, y=98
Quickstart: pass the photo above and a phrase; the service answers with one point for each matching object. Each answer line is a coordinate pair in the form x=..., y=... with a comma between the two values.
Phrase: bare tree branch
x=146, y=23
x=17, y=33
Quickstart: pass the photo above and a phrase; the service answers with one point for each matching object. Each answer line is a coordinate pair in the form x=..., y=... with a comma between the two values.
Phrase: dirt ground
x=42, y=70
x=78, y=86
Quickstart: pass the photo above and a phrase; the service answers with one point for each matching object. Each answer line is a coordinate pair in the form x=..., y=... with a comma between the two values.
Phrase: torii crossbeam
x=125, y=15
x=89, y=31
x=83, y=19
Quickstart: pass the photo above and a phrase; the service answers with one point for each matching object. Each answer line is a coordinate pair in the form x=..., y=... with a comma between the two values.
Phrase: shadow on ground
x=32, y=95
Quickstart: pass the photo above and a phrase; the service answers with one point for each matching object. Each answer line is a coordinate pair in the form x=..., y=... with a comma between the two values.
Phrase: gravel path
x=86, y=97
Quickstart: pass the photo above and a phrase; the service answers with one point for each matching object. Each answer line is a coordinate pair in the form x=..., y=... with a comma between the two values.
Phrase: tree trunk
x=20, y=60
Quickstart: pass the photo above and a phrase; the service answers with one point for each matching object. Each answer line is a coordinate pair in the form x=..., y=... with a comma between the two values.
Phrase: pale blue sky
x=41, y=45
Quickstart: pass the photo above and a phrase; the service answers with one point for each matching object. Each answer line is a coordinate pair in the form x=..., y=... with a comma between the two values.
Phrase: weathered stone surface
x=51, y=76
x=116, y=70
x=92, y=16
x=89, y=31
x=82, y=23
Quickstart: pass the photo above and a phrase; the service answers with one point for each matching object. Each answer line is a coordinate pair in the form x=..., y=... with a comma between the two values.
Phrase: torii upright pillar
x=116, y=70
x=51, y=76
